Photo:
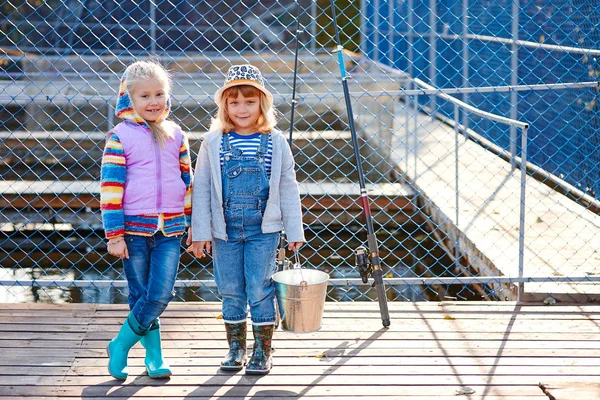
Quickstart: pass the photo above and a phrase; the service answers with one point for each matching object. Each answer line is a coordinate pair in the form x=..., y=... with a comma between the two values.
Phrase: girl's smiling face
x=150, y=99
x=244, y=112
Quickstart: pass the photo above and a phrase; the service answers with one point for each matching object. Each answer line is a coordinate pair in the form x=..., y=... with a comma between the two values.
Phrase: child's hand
x=295, y=246
x=117, y=247
x=200, y=249
x=188, y=241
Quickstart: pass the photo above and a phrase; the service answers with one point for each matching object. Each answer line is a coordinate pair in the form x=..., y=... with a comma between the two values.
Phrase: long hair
x=137, y=73
x=266, y=121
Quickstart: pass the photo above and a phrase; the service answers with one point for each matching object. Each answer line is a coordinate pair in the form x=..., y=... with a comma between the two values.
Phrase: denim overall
x=245, y=262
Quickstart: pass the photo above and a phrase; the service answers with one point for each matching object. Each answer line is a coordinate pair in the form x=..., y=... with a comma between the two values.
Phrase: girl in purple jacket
x=145, y=194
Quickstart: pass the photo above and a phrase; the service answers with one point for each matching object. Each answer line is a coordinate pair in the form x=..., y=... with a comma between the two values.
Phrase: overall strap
x=226, y=144
x=263, y=148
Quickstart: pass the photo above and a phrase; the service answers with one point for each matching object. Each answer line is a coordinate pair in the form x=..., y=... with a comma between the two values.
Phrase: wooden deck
x=432, y=350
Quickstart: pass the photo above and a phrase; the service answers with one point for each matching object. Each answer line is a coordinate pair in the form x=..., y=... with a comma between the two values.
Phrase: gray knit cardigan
x=283, y=208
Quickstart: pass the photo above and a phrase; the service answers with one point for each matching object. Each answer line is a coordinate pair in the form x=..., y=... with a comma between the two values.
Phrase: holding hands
x=200, y=249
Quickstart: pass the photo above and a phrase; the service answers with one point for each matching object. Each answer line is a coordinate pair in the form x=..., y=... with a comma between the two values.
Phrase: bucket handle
x=297, y=265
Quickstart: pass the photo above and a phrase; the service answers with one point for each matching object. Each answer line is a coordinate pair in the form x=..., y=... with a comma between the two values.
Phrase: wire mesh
x=60, y=64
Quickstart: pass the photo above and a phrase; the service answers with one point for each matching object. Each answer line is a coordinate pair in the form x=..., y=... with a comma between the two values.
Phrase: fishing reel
x=363, y=264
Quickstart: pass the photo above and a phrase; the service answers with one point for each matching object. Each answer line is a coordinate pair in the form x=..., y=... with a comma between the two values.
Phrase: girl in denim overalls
x=146, y=202
x=245, y=193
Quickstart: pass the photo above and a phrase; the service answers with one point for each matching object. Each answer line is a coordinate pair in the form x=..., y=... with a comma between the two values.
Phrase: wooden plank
x=45, y=343
x=43, y=320
x=257, y=390
x=39, y=360
x=360, y=307
x=378, y=343
x=278, y=395
x=571, y=390
x=329, y=318
x=200, y=330
x=222, y=379
x=203, y=352
x=180, y=337
x=342, y=369
x=67, y=308
x=359, y=360
x=41, y=370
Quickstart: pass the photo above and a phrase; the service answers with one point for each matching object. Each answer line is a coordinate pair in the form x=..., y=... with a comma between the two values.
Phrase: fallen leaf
x=464, y=390
x=449, y=317
x=549, y=301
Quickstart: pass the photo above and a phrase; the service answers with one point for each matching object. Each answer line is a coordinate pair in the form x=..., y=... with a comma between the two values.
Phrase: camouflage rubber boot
x=261, y=361
x=236, y=337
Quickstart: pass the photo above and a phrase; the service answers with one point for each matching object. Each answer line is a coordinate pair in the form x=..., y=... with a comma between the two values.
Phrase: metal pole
x=313, y=27
x=409, y=31
x=432, y=52
x=391, y=35
x=456, y=180
x=465, y=56
x=153, y=27
x=376, y=34
x=522, y=211
x=363, y=27
x=411, y=72
x=514, y=80
x=407, y=132
x=376, y=272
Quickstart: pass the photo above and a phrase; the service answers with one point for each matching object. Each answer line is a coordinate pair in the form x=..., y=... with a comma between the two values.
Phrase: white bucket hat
x=244, y=74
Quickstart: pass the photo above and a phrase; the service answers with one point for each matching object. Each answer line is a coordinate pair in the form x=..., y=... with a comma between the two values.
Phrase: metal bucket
x=301, y=298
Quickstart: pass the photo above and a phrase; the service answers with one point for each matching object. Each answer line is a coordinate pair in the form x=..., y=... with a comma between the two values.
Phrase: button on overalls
x=245, y=262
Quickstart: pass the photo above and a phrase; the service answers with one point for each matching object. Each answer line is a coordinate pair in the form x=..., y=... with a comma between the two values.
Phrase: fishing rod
x=366, y=264
x=280, y=260
x=294, y=101
x=281, y=263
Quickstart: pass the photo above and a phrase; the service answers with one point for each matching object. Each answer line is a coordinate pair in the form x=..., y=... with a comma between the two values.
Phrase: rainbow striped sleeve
x=185, y=166
x=112, y=185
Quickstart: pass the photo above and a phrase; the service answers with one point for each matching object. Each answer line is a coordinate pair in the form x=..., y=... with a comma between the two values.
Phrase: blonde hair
x=137, y=73
x=266, y=121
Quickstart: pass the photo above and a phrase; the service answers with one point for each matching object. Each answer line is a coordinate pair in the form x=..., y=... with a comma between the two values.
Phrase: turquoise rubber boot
x=118, y=348
x=156, y=365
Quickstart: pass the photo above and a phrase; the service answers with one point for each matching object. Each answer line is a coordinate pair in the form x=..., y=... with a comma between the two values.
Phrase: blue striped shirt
x=248, y=144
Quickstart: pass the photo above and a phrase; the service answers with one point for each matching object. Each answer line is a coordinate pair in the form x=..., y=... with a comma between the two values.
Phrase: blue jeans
x=244, y=265
x=151, y=270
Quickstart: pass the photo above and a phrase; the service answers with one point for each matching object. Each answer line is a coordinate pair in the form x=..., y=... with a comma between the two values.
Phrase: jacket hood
x=124, y=108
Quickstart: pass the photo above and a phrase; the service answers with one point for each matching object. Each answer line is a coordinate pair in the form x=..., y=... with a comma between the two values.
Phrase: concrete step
x=79, y=93
x=76, y=155
x=64, y=205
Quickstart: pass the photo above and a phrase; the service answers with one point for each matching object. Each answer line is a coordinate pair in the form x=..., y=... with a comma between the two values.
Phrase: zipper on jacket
x=158, y=176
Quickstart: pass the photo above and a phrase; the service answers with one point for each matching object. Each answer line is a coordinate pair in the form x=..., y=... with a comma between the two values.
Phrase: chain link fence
x=428, y=79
